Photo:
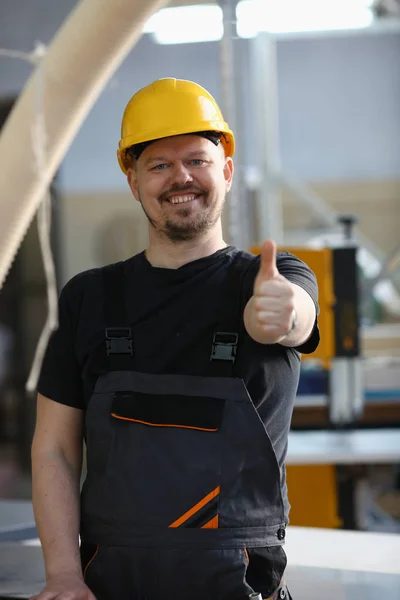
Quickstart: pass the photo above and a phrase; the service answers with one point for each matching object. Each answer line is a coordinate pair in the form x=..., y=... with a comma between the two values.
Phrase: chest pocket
x=167, y=410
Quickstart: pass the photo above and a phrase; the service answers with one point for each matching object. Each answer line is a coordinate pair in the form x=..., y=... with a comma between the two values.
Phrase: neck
x=166, y=254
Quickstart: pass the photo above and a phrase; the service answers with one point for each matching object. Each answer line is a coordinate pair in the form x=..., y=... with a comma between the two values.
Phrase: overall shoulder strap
x=226, y=337
x=118, y=334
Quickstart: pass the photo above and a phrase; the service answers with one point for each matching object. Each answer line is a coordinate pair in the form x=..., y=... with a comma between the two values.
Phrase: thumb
x=268, y=268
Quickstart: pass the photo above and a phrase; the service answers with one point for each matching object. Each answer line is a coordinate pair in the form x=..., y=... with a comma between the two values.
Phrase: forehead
x=178, y=147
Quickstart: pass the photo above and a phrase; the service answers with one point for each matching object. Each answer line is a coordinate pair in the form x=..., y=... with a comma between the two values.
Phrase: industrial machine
x=334, y=370
x=335, y=367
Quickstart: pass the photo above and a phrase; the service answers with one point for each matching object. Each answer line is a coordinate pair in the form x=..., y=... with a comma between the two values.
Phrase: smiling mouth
x=183, y=199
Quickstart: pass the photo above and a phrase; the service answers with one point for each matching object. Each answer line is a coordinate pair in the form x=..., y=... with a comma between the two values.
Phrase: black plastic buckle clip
x=224, y=346
x=119, y=340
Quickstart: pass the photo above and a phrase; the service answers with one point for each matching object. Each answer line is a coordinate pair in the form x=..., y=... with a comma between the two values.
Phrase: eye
x=159, y=167
x=197, y=162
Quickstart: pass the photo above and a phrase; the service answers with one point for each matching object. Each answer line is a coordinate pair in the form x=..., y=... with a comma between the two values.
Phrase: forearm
x=267, y=334
x=55, y=492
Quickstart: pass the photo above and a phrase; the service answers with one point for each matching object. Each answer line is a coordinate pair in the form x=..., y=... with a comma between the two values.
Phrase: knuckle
x=258, y=304
x=262, y=317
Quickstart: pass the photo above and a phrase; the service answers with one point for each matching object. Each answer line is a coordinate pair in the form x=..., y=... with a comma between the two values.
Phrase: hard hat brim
x=227, y=140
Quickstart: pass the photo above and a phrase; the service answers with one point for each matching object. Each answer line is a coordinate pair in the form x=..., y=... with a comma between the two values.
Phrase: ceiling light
x=288, y=16
x=186, y=24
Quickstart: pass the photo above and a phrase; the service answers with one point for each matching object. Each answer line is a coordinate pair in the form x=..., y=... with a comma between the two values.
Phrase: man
x=179, y=366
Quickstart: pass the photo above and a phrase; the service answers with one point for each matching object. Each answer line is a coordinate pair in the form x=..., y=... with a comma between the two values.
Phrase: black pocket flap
x=164, y=410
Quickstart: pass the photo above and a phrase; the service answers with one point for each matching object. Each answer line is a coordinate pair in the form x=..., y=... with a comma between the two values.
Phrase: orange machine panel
x=312, y=491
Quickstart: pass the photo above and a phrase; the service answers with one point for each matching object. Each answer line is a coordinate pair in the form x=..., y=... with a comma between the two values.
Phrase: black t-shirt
x=172, y=313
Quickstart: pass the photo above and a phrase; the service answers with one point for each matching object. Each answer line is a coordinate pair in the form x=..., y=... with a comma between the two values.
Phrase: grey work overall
x=182, y=477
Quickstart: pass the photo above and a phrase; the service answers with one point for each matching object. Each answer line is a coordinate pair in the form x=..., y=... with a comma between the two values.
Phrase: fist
x=273, y=297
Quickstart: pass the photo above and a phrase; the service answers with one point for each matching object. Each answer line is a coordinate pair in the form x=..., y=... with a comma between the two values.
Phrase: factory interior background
x=326, y=99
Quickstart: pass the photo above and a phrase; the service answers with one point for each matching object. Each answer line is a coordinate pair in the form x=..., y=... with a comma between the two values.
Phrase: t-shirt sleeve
x=60, y=376
x=298, y=272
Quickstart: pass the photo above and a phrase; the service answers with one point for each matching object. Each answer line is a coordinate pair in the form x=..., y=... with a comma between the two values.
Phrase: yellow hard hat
x=170, y=107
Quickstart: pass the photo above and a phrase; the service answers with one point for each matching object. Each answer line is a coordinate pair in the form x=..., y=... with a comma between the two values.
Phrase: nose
x=181, y=174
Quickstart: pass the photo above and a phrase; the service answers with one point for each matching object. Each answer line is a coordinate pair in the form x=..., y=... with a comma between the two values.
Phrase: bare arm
x=56, y=470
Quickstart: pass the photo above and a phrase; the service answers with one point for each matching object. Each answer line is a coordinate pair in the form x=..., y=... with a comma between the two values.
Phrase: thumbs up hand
x=269, y=313
x=268, y=270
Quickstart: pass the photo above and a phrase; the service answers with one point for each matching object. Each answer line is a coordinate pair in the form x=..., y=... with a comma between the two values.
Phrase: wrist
x=55, y=573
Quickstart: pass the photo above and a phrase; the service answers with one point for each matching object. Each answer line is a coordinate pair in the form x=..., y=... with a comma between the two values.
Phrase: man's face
x=181, y=183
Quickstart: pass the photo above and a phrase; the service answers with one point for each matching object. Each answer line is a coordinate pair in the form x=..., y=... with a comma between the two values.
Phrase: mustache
x=184, y=189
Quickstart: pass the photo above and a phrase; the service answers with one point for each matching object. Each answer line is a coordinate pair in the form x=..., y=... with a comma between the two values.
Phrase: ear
x=228, y=172
x=133, y=182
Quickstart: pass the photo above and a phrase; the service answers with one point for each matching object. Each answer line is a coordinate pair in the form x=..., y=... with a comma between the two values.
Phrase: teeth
x=181, y=199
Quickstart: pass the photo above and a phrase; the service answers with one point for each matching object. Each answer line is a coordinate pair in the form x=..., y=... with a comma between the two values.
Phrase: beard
x=183, y=225
x=186, y=228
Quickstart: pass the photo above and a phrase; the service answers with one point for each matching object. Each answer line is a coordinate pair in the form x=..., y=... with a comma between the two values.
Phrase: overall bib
x=182, y=477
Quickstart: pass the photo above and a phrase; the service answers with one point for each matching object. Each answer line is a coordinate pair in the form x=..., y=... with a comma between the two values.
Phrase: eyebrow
x=155, y=159
x=165, y=159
